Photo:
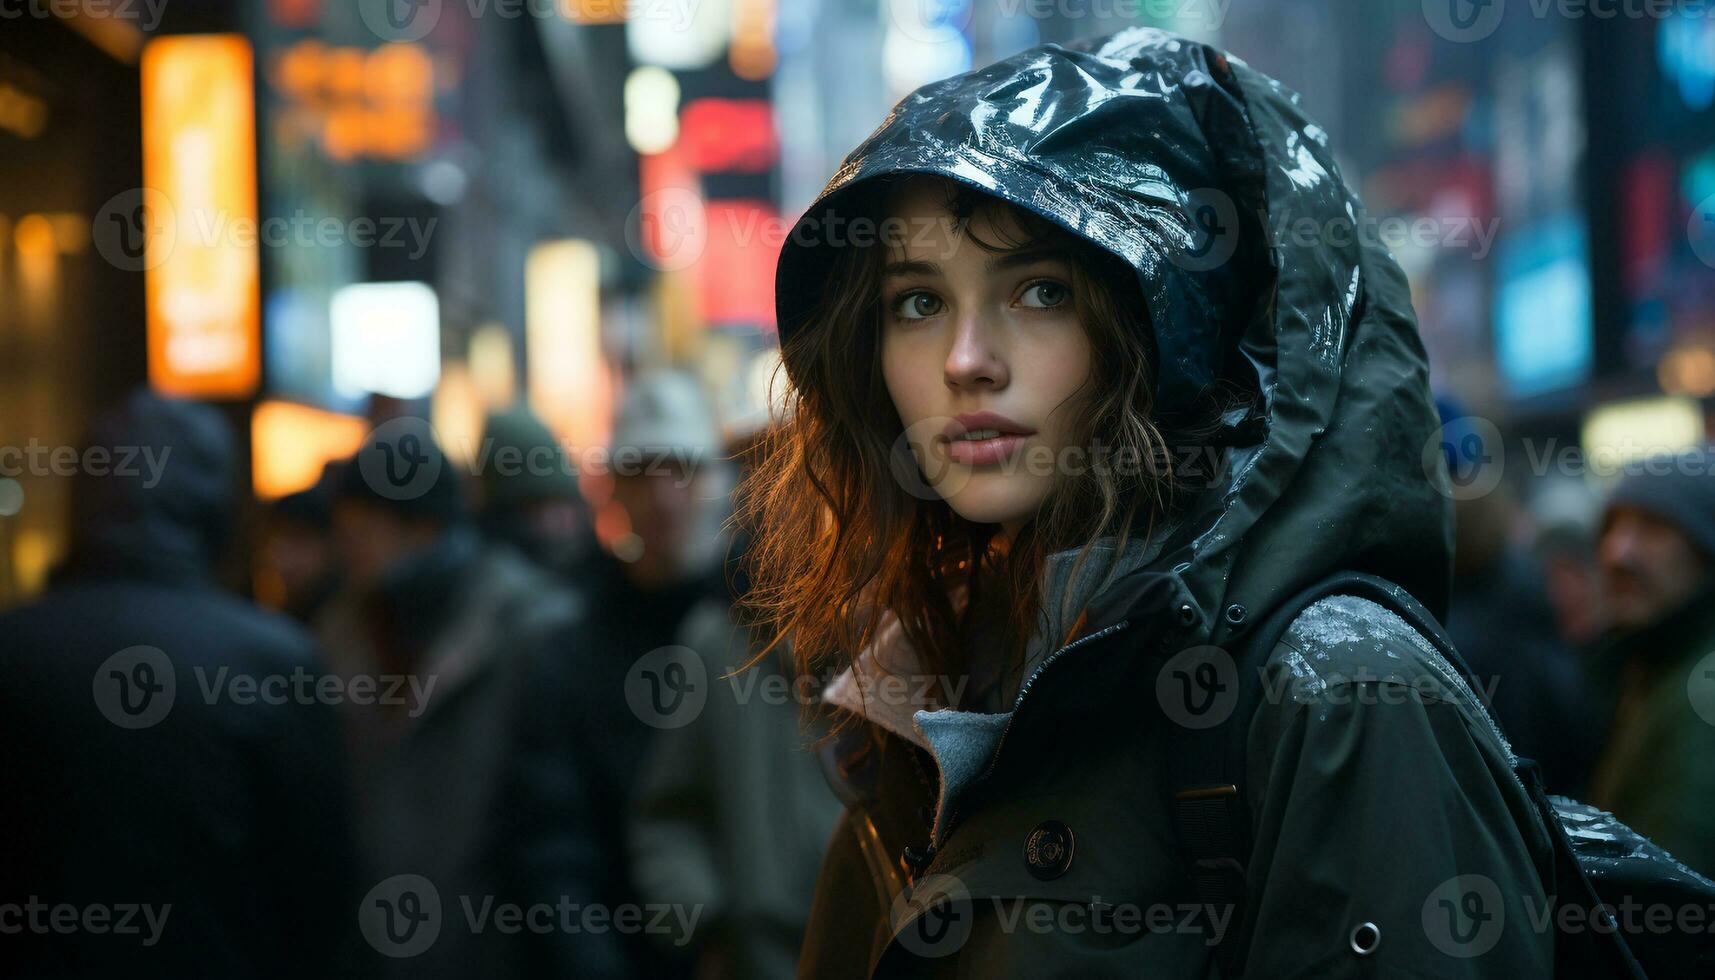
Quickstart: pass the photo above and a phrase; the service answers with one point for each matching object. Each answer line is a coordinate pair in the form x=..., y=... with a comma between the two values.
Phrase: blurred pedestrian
x=189, y=819
x=297, y=570
x=1657, y=768
x=447, y=633
x=530, y=497
x=668, y=496
x=1500, y=619
x=1565, y=512
x=734, y=813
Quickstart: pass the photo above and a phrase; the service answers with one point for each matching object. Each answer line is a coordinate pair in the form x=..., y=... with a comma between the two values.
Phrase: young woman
x=1069, y=416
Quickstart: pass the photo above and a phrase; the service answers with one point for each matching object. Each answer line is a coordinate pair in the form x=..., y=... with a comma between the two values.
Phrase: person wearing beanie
x=669, y=477
x=447, y=631
x=1657, y=545
x=530, y=498
x=1658, y=537
x=173, y=508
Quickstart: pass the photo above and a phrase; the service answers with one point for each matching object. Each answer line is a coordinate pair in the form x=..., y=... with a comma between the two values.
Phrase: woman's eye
x=917, y=306
x=1044, y=295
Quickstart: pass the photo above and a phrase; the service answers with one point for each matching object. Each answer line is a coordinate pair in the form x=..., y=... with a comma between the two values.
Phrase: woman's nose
x=975, y=358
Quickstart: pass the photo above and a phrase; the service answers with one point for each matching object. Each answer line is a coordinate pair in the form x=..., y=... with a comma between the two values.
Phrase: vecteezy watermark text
x=34, y=915
x=146, y=14
x=36, y=458
x=137, y=687
x=138, y=229
x=411, y=20
x=402, y=916
x=936, y=916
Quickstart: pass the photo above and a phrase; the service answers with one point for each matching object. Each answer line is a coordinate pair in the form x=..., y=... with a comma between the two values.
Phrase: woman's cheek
x=912, y=366
x=1061, y=367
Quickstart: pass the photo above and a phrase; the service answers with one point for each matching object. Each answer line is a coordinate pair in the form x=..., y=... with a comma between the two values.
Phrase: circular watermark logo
x=1472, y=451
x=1700, y=228
x=401, y=916
x=1464, y=21
x=1198, y=687
x=398, y=462
x=933, y=917
x=930, y=21
x=135, y=687
x=124, y=227
x=668, y=229
x=918, y=469
x=11, y=497
x=1463, y=917
x=1212, y=219
x=667, y=687
x=1700, y=688
x=400, y=20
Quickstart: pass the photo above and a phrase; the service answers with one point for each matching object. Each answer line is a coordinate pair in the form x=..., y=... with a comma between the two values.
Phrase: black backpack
x=1599, y=862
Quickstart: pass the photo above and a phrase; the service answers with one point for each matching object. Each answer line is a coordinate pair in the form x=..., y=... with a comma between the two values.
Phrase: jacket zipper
x=1017, y=703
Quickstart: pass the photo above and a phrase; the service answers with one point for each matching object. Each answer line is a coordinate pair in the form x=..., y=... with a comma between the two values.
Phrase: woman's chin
x=998, y=499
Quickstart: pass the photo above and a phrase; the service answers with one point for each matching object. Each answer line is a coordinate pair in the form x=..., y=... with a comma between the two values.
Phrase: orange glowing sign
x=290, y=444
x=567, y=379
x=359, y=103
x=593, y=11
x=751, y=54
x=200, y=248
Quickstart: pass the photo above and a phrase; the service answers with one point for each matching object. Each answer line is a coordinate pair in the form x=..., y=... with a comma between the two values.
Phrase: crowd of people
x=423, y=760
x=459, y=744
x=1588, y=622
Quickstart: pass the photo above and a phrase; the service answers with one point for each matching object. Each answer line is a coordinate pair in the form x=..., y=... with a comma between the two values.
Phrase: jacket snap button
x=1048, y=850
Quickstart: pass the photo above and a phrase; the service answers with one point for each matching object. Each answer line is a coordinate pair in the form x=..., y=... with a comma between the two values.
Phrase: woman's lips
x=984, y=452
x=983, y=438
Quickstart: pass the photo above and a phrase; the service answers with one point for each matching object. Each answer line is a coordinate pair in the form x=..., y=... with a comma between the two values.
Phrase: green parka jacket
x=1039, y=841
x=1657, y=771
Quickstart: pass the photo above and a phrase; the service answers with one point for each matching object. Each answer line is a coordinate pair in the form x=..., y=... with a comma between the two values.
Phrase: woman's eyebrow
x=1024, y=257
x=910, y=267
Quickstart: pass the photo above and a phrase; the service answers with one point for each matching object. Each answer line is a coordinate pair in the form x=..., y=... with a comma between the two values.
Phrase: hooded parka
x=1389, y=835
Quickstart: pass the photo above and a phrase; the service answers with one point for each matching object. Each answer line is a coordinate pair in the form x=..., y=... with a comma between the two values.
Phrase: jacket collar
x=886, y=684
x=1107, y=580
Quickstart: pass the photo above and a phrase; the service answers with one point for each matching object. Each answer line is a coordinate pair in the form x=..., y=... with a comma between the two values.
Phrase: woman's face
x=982, y=352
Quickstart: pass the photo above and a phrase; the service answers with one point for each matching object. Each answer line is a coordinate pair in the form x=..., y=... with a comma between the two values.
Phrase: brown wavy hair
x=837, y=540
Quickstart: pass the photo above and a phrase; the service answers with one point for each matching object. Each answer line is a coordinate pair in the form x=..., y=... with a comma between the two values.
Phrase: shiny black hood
x=1180, y=159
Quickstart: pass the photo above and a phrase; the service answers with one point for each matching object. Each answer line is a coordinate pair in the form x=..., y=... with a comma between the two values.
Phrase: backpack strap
x=1207, y=761
x=1600, y=951
x=1211, y=813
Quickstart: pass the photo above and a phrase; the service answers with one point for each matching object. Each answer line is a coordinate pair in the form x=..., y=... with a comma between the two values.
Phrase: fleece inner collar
x=884, y=684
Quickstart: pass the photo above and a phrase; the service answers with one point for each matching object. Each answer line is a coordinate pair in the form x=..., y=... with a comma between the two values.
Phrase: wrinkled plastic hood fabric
x=1181, y=160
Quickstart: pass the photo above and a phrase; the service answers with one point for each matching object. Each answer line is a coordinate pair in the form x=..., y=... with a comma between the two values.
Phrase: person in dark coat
x=733, y=812
x=1501, y=621
x=453, y=630
x=172, y=796
x=1067, y=420
x=1657, y=547
x=589, y=701
x=297, y=571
